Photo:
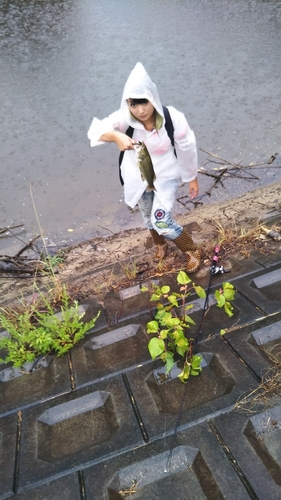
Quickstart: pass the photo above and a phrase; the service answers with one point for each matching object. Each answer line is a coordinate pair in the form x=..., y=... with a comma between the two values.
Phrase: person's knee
x=161, y=227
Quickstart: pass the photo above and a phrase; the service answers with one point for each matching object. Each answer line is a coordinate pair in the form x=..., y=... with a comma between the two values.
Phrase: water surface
x=64, y=61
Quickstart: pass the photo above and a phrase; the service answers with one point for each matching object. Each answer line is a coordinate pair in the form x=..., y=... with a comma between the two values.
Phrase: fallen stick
x=5, y=229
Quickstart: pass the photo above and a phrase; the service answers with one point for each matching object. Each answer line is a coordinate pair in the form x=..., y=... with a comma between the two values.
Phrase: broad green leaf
x=200, y=291
x=152, y=327
x=156, y=346
x=173, y=322
x=228, y=309
x=144, y=289
x=220, y=298
x=188, y=319
x=229, y=294
x=226, y=285
x=182, y=342
x=222, y=332
x=183, y=376
x=155, y=297
x=163, y=316
x=228, y=291
x=165, y=289
x=164, y=334
x=196, y=361
x=173, y=300
x=183, y=279
x=195, y=372
x=168, y=358
x=177, y=334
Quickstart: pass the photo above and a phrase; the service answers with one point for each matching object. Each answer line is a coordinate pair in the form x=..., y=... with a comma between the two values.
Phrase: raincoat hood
x=140, y=86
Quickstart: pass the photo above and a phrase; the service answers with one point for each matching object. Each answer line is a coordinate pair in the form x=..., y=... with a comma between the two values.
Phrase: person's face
x=142, y=112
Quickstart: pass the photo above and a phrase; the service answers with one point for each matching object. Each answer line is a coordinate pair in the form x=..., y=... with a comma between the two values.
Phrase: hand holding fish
x=122, y=140
x=193, y=188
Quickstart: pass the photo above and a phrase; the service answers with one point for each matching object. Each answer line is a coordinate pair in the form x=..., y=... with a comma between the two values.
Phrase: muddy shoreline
x=94, y=267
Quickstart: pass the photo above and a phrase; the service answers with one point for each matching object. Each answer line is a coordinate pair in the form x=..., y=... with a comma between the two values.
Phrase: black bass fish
x=145, y=165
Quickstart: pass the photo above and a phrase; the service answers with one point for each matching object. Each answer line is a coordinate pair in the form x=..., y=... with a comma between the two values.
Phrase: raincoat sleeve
x=98, y=127
x=185, y=144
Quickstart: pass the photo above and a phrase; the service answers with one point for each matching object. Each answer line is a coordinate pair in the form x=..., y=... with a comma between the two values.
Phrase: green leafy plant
x=38, y=330
x=131, y=270
x=172, y=321
x=52, y=261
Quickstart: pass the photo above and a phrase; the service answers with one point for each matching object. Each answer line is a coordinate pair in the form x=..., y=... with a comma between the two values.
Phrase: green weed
x=37, y=330
x=172, y=321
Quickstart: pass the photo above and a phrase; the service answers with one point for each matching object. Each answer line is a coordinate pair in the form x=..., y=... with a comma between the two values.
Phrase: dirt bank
x=91, y=268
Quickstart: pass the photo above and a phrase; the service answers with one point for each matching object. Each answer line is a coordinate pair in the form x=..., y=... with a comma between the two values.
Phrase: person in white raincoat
x=142, y=110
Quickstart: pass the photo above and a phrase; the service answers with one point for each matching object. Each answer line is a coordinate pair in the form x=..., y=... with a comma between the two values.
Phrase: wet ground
x=99, y=424
x=62, y=62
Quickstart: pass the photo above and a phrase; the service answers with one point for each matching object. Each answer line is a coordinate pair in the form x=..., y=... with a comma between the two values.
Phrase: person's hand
x=193, y=188
x=123, y=141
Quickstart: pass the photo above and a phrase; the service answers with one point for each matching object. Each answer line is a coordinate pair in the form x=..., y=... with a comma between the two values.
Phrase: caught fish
x=145, y=165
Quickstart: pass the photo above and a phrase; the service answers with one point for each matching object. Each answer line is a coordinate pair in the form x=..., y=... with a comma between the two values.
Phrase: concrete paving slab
x=198, y=470
x=75, y=429
x=126, y=303
x=253, y=342
x=255, y=442
x=64, y=488
x=263, y=289
x=17, y=389
x=112, y=350
x=8, y=437
x=269, y=338
x=219, y=385
x=266, y=259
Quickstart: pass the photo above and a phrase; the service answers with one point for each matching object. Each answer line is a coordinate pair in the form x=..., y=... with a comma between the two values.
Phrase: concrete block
x=111, y=351
x=268, y=279
x=198, y=470
x=255, y=442
x=19, y=389
x=254, y=341
x=8, y=434
x=267, y=259
x=127, y=303
x=106, y=339
x=217, y=387
x=87, y=421
x=75, y=429
x=262, y=289
x=64, y=488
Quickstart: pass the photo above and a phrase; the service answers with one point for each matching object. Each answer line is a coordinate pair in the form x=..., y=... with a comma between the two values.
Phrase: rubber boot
x=160, y=243
x=186, y=244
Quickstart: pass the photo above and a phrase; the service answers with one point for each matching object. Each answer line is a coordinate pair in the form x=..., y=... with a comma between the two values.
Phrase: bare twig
x=6, y=229
x=28, y=245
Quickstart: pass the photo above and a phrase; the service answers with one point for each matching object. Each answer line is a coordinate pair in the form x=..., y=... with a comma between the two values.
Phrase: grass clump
x=38, y=330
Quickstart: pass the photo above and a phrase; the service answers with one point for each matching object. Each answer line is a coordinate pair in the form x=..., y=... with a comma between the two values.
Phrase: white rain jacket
x=169, y=170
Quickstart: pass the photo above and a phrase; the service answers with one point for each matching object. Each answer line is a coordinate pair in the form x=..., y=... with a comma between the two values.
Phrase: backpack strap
x=129, y=132
x=169, y=129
